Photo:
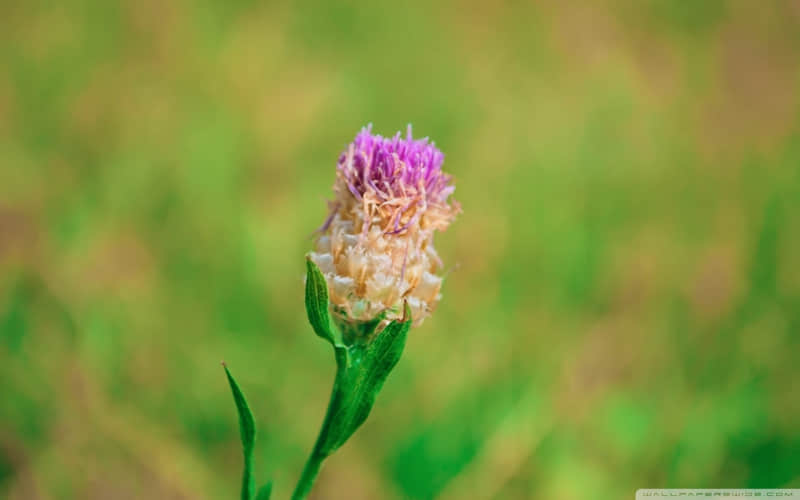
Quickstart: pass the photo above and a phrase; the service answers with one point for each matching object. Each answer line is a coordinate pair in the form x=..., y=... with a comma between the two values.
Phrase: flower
x=376, y=246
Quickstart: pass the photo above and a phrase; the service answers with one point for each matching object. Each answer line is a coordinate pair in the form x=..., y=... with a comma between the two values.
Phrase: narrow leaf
x=317, y=303
x=385, y=351
x=247, y=429
x=380, y=357
x=264, y=492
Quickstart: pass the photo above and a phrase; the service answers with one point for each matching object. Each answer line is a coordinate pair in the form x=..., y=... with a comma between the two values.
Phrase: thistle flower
x=372, y=266
x=376, y=246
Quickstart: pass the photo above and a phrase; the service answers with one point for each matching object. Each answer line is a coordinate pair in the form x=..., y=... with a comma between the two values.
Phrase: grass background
x=624, y=307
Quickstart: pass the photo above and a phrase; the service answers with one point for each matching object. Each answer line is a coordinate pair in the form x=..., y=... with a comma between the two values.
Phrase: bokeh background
x=623, y=309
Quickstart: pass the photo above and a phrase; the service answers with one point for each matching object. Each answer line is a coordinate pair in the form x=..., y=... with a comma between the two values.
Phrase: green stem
x=306, y=481
x=314, y=462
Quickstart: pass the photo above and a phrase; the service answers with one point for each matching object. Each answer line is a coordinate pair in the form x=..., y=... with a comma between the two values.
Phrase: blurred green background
x=624, y=305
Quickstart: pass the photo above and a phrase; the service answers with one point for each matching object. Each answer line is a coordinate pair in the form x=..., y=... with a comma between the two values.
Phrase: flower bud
x=376, y=246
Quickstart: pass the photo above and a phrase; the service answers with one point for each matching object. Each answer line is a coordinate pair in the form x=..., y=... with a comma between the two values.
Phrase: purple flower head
x=393, y=168
x=376, y=245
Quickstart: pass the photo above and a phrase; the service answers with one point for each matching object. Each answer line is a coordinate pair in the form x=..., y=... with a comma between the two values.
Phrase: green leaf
x=264, y=492
x=247, y=428
x=361, y=371
x=317, y=304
